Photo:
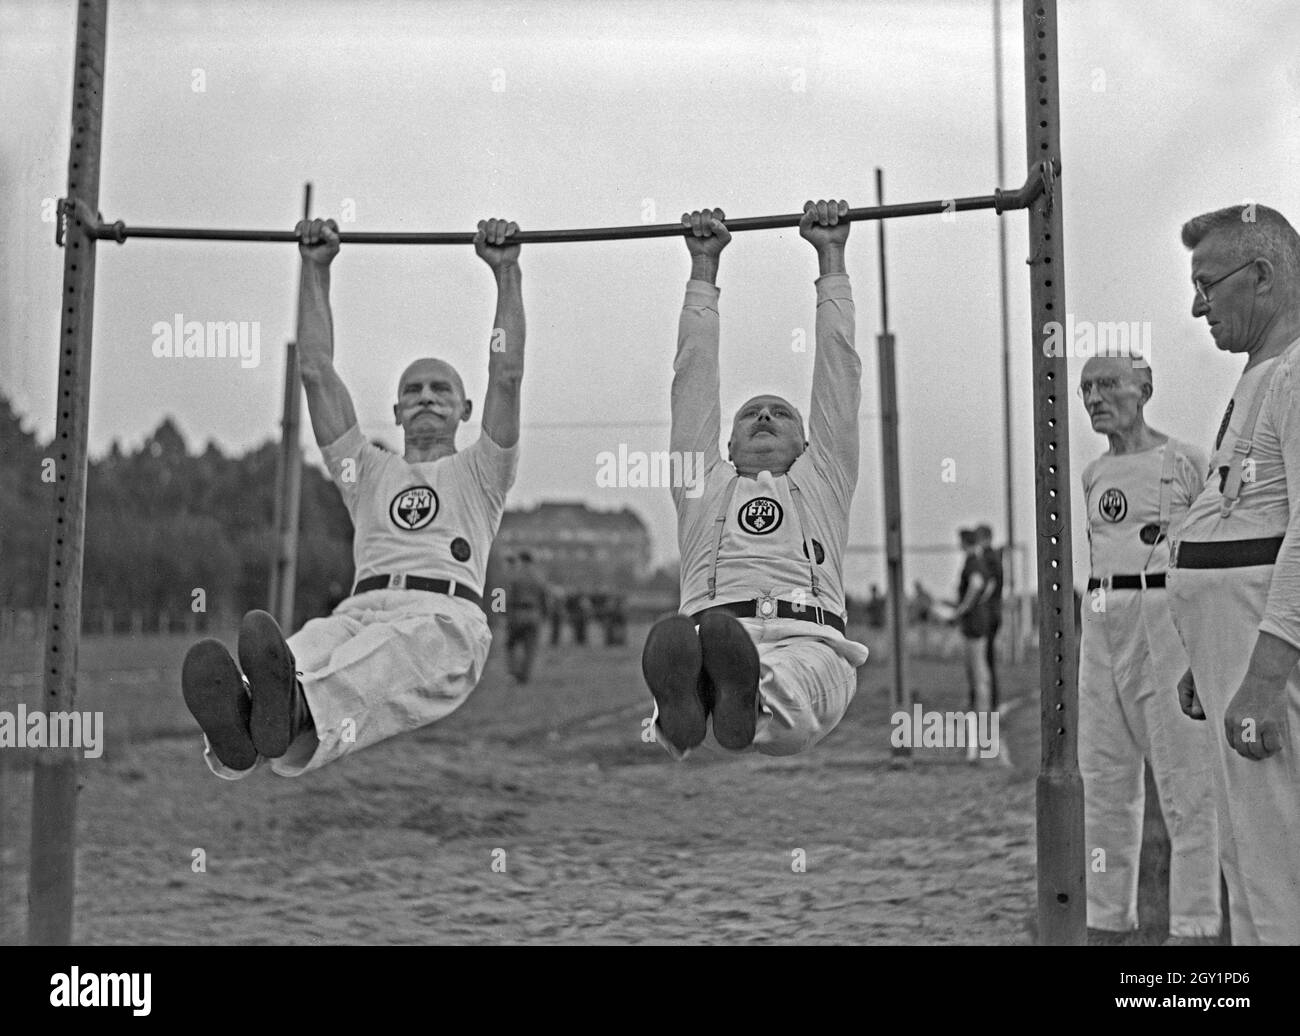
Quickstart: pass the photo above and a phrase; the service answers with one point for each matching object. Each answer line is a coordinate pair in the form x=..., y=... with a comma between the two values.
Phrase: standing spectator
x=556, y=612
x=1234, y=577
x=615, y=621
x=992, y=559
x=525, y=606
x=579, y=608
x=972, y=616
x=876, y=609
x=920, y=614
x=921, y=604
x=1130, y=659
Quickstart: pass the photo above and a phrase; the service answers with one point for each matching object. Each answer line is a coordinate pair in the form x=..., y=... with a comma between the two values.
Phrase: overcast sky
x=558, y=114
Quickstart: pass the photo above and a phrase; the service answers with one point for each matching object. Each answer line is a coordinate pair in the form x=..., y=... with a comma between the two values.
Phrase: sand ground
x=536, y=814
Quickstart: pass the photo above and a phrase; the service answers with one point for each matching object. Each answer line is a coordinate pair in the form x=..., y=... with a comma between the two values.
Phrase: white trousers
x=805, y=686
x=1130, y=662
x=1218, y=612
x=386, y=662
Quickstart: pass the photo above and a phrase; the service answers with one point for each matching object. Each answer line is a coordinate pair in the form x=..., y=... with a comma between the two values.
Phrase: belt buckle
x=1105, y=583
x=397, y=581
x=766, y=606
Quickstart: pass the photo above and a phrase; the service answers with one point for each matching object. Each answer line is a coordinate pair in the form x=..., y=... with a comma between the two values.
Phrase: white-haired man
x=759, y=647
x=408, y=646
x=1234, y=582
x=1130, y=659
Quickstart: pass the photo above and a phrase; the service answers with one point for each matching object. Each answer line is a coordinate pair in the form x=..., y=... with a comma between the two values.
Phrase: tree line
x=162, y=522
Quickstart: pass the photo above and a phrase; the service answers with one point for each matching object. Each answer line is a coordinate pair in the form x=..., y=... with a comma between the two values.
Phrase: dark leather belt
x=784, y=610
x=436, y=586
x=1228, y=553
x=1154, y=581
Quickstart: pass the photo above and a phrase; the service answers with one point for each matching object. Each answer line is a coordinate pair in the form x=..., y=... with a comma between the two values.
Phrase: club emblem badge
x=413, y=508
x=760, y=516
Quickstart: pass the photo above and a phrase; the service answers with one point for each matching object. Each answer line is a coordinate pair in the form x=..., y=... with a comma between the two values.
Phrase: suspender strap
x=720, y=522
x=1241, y=450
x=797, y=497
x=1166, y=487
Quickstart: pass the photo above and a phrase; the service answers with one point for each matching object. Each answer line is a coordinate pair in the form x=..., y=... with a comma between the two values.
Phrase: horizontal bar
x=999, y=200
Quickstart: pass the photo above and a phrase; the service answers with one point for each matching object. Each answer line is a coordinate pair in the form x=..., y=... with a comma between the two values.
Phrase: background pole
x=900, y=696
x=1009, y=557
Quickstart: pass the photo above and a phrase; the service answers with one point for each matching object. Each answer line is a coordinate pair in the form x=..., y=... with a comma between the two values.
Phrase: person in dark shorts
x=971, y=616
x=992, y=558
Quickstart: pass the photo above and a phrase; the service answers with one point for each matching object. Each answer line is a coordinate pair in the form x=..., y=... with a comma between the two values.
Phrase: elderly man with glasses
x=1130, y=659
x=1234, y=581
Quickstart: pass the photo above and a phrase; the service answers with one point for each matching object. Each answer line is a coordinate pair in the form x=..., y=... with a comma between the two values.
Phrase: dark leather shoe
x=731, y=663
x=280, y=711
x=214, y=692
x=671, y=663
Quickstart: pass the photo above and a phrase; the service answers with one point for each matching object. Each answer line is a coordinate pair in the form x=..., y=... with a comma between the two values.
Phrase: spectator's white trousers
x=1130, y=662
x=1218, y=612
x=385, y=662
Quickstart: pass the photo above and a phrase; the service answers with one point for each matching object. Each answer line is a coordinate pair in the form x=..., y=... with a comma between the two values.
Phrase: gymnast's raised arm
x=328, y=401
x=506, y=359
x=696, y=406
x=837, y=369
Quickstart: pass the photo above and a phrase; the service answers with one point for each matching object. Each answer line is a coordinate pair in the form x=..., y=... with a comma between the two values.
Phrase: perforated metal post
x=51, y=884
x=1061, y=873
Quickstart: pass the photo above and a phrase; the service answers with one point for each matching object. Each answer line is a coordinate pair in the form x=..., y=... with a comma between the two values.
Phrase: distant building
x=576, y=546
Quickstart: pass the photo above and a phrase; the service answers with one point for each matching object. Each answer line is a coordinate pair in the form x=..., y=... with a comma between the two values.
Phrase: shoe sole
x=214, y=694
x=672, y=664
x=269, y=665
x=731, y=663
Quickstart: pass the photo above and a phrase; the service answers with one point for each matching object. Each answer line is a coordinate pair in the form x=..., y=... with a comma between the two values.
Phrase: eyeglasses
x=1203, y=290
x=1104, y=387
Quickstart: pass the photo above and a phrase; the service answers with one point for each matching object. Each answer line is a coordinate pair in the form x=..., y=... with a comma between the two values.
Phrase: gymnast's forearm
x=837, y=373
x=704, y=268
x=506, y=359
x=315, y=322
x=696, y=406
x=830, y=259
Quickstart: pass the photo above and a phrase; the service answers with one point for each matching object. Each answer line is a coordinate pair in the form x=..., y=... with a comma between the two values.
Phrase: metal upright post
x=900, y=693
x=53, y=863
x=1061, y=870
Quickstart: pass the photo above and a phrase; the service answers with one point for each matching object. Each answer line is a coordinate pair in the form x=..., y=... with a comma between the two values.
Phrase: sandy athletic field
x=602, y=837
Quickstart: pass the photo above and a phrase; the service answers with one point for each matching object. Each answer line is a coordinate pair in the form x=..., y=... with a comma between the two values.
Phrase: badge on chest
x=413, y=508
x=760, y=516
x=1113, y=505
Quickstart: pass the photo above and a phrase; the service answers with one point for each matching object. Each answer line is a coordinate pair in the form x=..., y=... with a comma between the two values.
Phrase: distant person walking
x=526, y=595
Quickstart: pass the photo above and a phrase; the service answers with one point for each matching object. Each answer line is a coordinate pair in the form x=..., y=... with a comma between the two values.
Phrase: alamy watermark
x=1084, y=339
x=73, y=988
x=37, y=729
x=657, y=469
x=977, y=732
x=211, y=339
